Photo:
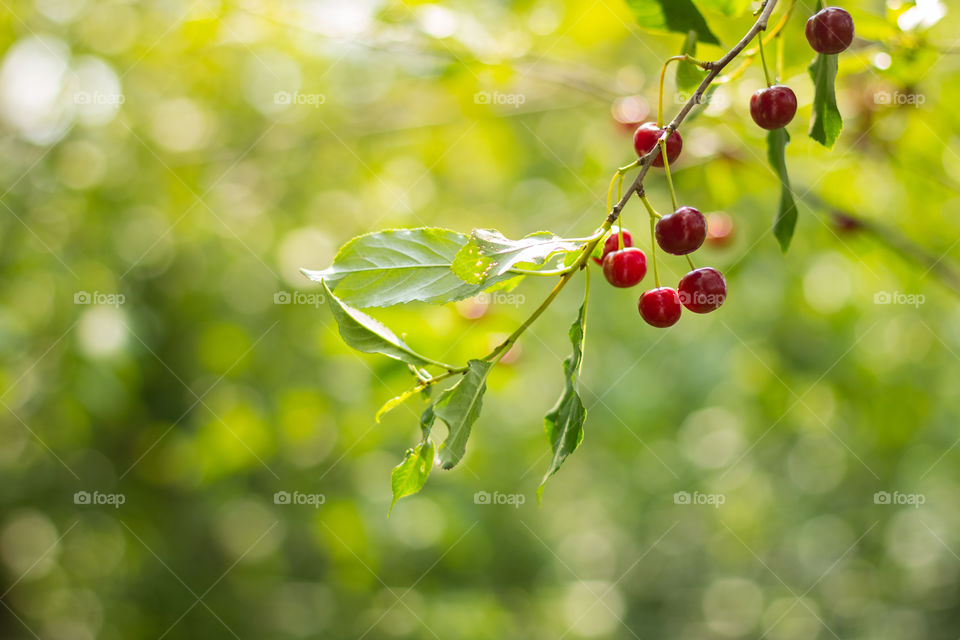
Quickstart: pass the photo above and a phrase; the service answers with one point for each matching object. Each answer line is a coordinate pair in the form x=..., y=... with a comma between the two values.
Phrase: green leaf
x=395, y=402
x=458, y=407
x=489, y=255
x=564, y=423
x=786, y=221
x=689, y=75
x=826, y=123
x=678, y=16
x=398, y=266
x=732, y=8
x=367, y=335
x=409, y=476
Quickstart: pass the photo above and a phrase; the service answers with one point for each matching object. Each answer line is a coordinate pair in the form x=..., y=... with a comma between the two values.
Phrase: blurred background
x=187, y=449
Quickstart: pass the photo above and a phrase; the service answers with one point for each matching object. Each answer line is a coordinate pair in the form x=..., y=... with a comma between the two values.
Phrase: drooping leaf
x=489, y=255
x=689, y=75
x=678, y=16
x=826, y=123
x=458, y=407
x=564, y=422
x=409, y=476
x=732, y=8
x=367, y=335
x=786, y=220
x=398, y=266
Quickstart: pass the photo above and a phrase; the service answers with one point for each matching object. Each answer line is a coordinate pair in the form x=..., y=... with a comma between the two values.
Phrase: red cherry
x=773, y=107
x=612, y=243
x=830, y=30
x=682, y=231
x=703, y=290
x=660, y=307
x=625, y=268
x=645, y=138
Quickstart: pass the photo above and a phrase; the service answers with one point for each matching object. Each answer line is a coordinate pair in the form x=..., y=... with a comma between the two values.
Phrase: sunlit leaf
x=398, y=266
x=732, y=8
x=678, y=16
x=489, y=255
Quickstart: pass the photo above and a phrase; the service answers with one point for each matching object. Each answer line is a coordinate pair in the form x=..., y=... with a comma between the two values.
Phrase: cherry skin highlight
x=830, y=30
x=645, y=138
x=682, y=231
x=660, y=307
x=703, y=290
x=612, y=243
x=625, y=268
x=773, y=107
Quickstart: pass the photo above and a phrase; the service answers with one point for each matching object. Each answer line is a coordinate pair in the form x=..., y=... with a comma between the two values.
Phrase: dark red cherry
x=703, y=290
x=773, y=107
x=625, y=268
x=612, y=243
x=682, y=231
x=660, y=307
x=645, y=138
x=830, y=30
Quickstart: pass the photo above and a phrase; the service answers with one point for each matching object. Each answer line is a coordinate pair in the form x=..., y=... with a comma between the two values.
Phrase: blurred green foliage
x=168, y=166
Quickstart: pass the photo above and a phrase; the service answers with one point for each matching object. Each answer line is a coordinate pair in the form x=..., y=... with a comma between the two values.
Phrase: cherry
x=645, y=138
x=625, y=268
x=682, y=231
x=773, y=107
x=660, y=307
x=703, y=290
x=612, y=243
x=830, y=30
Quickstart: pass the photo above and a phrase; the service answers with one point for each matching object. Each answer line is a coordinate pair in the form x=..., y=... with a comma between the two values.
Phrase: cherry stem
x=690, y=262
x=654, y=216
x=666, y=169
x=763, y=59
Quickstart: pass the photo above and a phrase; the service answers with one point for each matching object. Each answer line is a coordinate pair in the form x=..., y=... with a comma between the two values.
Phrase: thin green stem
x=666, y=169
x=654, y=216
x=543, y=273
x=763, y=59
x=586, y=301
x=690, y=262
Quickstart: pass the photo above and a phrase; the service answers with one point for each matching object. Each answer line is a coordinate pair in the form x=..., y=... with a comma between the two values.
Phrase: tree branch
x=714, y=69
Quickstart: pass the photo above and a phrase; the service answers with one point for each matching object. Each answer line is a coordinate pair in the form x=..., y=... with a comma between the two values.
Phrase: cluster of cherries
x=679, y=233
x=682, y=232
x=829, y=32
